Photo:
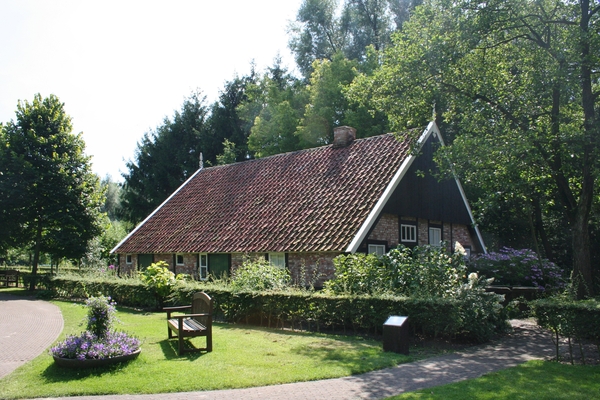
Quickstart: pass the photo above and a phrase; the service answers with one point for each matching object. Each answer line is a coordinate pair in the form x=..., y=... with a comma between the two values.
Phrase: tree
x=321, y=30
x=225, y=123
x=516, y=77
x=113, y=192
x=164, y=159
x=50, y=198
x=328, y=106
x=273, y=109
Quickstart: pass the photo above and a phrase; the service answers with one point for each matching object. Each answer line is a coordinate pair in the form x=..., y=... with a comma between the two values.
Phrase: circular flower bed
x=99, y=344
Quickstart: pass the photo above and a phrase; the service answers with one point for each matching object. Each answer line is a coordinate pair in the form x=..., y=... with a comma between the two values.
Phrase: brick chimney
x=343, y=136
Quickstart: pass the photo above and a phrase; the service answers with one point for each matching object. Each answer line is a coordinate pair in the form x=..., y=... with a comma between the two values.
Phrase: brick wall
x=461, y=234
x=386, y=230
x=125, y=268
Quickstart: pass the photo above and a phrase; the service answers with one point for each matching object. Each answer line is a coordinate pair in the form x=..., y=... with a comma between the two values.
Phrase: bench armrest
x=190, y=316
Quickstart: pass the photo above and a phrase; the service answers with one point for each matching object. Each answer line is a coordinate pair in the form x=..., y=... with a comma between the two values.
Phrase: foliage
x=322, y=29
x=100, y=315
x=99, y=341
x=568, y=318
x=424, y=272
x=164, y=159
x=159, y=279
x=419, y=271
x=516, y=80
x=328, y=106
x=50, y=198
x=259, y=274
x=358, y=274
x=89, y=346
x=229, y=153
x=430, y=316
x=524, y=267
x=273, y=109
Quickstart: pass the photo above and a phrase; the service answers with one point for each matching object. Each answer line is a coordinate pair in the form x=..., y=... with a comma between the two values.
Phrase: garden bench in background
x=196, y=322
x=9, y=277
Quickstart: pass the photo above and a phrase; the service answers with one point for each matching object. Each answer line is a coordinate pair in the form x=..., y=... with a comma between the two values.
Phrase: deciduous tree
x=50, y=198
x=520, y=81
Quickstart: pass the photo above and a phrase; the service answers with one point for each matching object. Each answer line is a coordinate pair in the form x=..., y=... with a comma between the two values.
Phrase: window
x=277, y=259
x=179, y=259
x=378, y=249
x=435, y=236
x=203, y=268
x=128, y=259
x=408, y=233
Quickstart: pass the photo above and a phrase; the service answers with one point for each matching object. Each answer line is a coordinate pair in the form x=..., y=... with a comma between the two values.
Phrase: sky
x=121, y=67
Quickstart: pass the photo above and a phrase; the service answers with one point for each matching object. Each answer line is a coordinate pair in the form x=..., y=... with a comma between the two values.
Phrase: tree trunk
x=582, y=266
x=36, y=256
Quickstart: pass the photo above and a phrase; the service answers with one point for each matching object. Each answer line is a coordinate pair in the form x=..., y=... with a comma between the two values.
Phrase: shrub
x=100, y=315
x=158, y=277
x=570, y=319
x=425, y=271
x=259, y=274
x=512, y=267
x=358, y=274
x=420, y=271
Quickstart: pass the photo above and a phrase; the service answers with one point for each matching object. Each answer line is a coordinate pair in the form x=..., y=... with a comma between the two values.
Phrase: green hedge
x=579, y=320
x=303, y=309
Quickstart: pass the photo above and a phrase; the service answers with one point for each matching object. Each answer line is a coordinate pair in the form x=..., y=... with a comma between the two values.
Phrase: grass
x=538, y=380
x=242, y=357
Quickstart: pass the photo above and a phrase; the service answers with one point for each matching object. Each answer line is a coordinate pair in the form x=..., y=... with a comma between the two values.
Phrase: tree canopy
x=518, y=80
x=50, y=198
x=165, y=158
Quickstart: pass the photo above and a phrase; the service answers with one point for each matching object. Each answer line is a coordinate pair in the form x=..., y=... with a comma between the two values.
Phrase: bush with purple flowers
x=512, y=267
x=99, y=341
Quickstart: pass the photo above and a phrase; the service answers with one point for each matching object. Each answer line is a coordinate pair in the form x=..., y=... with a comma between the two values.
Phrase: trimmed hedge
x=579, y=320
x=314, y=311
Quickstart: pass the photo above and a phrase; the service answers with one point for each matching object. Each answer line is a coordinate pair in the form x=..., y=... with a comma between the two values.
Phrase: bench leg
x=180, y=344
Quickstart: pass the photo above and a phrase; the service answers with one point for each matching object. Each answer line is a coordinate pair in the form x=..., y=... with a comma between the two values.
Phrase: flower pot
x=94, y=362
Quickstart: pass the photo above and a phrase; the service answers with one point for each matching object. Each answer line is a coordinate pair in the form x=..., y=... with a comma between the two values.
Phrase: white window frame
x=128, y=259
x=408, y=233
x=203, y=266
x=177, y=259
x=377, y=249
x=433, y=232
x=277, y=259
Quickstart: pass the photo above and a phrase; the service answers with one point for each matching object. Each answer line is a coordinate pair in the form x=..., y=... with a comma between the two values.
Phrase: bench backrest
x=202, y=304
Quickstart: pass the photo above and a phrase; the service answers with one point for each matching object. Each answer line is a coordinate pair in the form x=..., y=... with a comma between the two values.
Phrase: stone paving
x=28, y=327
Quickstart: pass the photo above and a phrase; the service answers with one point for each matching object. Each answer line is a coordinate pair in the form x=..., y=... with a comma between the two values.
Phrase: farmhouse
x=301, y=209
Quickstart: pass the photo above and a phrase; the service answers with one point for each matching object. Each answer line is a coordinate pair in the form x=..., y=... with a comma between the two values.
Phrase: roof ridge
x=319, y=148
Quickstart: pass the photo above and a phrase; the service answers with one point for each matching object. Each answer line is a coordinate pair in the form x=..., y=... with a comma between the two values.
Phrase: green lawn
x=533, y=380
x=242, y=357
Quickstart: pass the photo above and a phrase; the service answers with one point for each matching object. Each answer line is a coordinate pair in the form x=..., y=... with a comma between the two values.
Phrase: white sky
x=121, y=67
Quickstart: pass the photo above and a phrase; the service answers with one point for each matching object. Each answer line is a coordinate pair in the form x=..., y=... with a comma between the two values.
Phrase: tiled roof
x=309, y=200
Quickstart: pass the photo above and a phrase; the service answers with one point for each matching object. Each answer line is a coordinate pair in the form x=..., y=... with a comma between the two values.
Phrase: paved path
x=41, y=322
x=27, y=328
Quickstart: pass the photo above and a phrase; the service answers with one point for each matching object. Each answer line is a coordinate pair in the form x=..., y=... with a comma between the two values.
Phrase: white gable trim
x=155, y=211
x=366, y=226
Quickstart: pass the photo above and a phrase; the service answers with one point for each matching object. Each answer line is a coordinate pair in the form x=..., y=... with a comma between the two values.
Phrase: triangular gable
x=445, y=202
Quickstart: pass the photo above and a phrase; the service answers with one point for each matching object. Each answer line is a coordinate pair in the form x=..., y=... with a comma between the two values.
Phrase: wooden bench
x=196, y=322
x=9, y=277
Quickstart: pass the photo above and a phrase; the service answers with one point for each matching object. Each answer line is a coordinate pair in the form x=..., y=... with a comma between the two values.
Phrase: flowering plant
x=99, y=341
x=519, y=268
x=89, y=346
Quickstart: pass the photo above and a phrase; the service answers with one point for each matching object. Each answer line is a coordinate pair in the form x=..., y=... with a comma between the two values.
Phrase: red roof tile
x=309, y=200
